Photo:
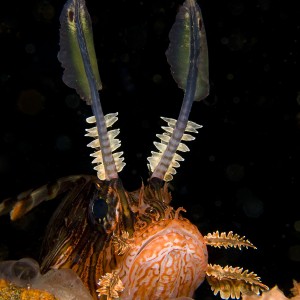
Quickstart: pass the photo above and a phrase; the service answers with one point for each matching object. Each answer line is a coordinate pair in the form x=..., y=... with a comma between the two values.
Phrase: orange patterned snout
x=167, y=259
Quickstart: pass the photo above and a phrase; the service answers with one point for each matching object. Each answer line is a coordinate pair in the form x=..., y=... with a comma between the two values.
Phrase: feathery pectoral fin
x=227, y=240
x=232, y=281
x=77, y=53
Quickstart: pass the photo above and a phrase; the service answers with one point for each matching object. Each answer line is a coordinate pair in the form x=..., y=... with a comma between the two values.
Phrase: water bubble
x=253, y=207
x=218, y=203
x=212, y=158
x=3, y=164
x=72, y=101
x=30, y=49
x=298, y=98
x=157, y=78
x=230, y=76
x=22, y=272
x=236, y=100
x=224, y=40
x=63, y=143
x=294, y=253
x=235, y=172
x=297, y=225
x=30, y=102
x=26, y=269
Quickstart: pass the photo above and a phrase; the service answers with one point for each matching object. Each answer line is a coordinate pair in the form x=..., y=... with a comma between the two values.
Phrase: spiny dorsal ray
x=188, y=57
x=77, y=56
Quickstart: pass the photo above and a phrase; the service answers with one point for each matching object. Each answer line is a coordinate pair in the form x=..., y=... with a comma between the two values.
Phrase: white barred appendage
x=162, y=145
x=110, y=119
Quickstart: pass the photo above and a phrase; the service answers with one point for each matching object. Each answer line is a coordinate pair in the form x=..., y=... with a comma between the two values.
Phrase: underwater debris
x=276, y=294
x=21, y=280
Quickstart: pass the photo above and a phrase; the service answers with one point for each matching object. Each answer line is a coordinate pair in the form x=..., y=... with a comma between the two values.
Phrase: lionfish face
x=133, y=245
x=151, y=251
x=164, y=256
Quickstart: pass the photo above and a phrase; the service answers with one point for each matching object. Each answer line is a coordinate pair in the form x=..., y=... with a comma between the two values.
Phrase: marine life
x=10, y=291
x=133, y=245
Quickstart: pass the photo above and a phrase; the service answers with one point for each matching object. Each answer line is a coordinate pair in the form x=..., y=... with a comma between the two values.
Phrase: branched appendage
x=122, y=243
x=110, y=119
x=161, y=146
x=232, y=281
x=227, y=240
x=170, y=214
x=178, y=210
x=110, y=285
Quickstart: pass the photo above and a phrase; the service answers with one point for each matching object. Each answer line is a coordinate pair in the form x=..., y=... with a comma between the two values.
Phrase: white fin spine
x=161, y=146
x=183, y=148
x=168, y=129
x=91, y=120
x=113, y=133
x=187, y=137
x=92, y=132
x=164, y=137
x=175, y=164
x=118, y=155
x=94, y=144
x=96, y=154
x=192, y=127
x=171, y=122
x=115, y=144
x=110, y=119
x=98, y=159
x=178, y=157
x=168, y=177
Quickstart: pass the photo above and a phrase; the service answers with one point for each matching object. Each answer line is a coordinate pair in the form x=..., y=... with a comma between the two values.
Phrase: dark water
x=242, y=173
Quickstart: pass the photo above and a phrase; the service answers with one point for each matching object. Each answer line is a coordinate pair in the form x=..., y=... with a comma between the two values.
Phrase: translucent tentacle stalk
x=187, y=55
x=77, y=56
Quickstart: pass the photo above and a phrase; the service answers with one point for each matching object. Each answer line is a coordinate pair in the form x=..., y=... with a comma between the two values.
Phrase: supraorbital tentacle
x=165, y=137
x=110, y=119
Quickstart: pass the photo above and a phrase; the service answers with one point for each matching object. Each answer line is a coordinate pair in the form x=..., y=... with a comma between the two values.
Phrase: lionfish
x=133, y=245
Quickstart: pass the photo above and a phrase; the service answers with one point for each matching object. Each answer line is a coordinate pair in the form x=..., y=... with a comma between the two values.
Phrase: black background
x=242, y=173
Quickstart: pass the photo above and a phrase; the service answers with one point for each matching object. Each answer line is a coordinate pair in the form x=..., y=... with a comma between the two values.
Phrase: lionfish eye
x=151, y=211
x=98, y=210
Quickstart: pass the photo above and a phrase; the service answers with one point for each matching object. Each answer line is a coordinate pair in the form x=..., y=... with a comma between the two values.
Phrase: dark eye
x=97, y=210
x=151, y=211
